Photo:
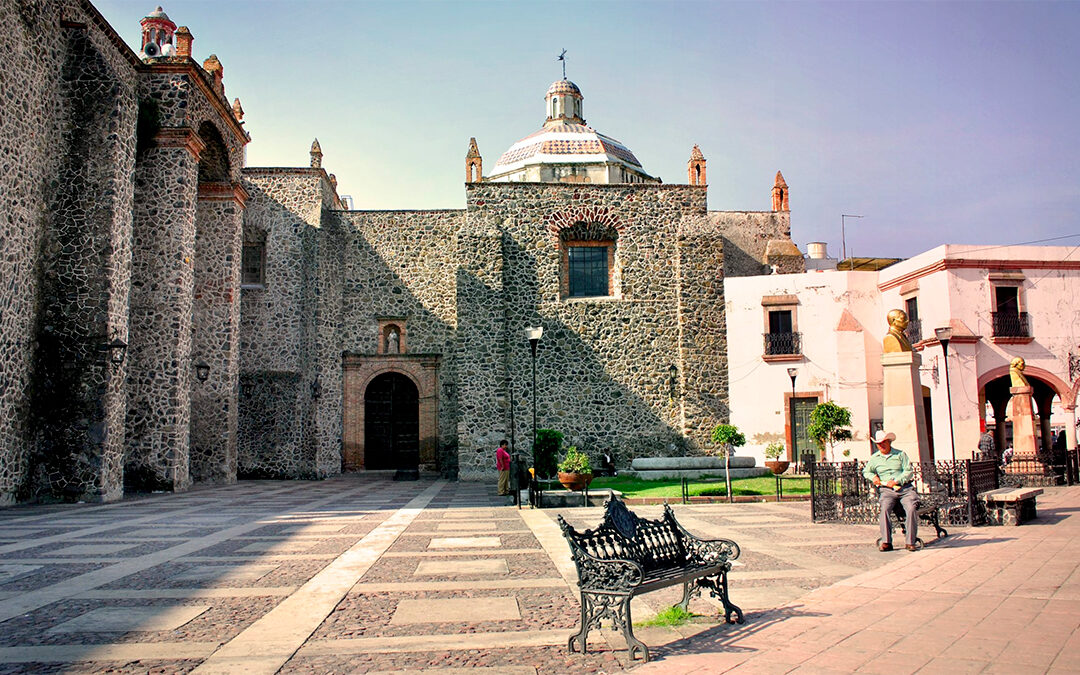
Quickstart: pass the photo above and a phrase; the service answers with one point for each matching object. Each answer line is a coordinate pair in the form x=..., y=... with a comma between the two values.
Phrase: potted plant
x=772, y=458
x=728, y=437
x=575, y=471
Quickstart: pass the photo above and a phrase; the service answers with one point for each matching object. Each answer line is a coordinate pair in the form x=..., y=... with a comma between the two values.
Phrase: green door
x=804, y=445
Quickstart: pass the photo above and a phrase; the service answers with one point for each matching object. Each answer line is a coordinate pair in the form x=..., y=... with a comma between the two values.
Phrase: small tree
x=548, y=447
x=728, y=437
x=828, y=424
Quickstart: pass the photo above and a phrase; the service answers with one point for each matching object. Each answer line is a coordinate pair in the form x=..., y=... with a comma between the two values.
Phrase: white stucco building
x=1001, y=302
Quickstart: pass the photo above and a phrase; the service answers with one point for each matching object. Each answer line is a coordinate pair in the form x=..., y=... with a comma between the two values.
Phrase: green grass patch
x=672, y=616
x=672, y=489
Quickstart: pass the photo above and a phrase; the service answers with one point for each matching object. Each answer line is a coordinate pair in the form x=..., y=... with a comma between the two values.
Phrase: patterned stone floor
x=356, y=574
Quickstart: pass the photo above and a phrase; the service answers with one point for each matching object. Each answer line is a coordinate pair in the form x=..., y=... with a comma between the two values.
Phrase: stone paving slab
x=125, y=619
x=455, y=610
x=811, y=591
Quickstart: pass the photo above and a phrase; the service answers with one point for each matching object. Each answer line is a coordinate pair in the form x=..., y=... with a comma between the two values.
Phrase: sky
x=938, y=122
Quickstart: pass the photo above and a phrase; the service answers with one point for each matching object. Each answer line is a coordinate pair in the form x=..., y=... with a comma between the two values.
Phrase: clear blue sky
x=939, y=122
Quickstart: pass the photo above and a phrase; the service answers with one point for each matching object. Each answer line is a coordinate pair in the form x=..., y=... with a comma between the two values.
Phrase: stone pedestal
x=1025, y=445
x=903, y=408
x=1027, y=459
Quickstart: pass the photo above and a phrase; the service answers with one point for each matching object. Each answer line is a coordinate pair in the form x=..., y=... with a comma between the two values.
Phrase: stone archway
x=360, y=371
x=994, y=389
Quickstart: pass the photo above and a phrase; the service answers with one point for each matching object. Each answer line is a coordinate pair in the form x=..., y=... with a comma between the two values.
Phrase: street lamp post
x=943, y=336
x=534, y=334
x=793, y=373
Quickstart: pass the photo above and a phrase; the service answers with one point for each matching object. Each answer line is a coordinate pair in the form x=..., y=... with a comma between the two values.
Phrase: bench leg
x=689, y=590
x=632, y=643
x=595, y=607
x=718, y=588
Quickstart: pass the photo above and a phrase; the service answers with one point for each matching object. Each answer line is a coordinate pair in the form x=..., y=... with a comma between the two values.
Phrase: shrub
x=575, y=461
x=547, y=450
x=774, y=451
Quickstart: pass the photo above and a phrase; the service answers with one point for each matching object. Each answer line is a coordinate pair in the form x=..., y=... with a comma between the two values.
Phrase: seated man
x=891, y=471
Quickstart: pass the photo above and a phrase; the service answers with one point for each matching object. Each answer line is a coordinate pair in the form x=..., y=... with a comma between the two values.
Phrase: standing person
x=987, y=447
x=890, y=470
x=502, y=463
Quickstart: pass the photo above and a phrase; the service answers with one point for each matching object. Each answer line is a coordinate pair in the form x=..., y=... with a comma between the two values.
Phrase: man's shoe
x=912, y=547
x=885, y=547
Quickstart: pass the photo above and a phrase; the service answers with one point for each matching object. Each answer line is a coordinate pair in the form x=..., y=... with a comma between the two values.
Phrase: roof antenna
x=562, y=57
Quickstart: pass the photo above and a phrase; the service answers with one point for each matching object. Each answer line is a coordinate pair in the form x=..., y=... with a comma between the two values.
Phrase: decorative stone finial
x=474, y=164
x=214, y=69
x=695, y=168
x=780, y=194
x=333, y=182
x=237, y=110
x=316, y=155
x=183, y=41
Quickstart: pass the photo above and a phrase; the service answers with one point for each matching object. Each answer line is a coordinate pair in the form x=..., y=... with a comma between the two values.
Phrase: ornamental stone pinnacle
x=316, y=154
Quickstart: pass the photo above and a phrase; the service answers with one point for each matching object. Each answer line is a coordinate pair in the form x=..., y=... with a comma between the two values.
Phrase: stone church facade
x=171, y=317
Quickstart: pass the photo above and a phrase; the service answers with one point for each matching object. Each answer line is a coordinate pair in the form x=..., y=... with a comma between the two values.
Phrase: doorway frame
x=358, y=372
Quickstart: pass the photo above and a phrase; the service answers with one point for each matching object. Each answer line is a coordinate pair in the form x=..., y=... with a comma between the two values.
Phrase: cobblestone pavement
x=361, y=574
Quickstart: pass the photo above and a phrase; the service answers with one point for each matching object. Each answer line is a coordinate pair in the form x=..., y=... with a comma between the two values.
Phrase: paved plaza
x=360, y=574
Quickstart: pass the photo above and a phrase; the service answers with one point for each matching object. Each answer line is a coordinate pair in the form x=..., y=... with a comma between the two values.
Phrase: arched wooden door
x=391, y=423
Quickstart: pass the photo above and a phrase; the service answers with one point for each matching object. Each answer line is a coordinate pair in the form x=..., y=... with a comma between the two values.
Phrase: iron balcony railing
x=783, y=343
x=1011, y=324
x=914, y=331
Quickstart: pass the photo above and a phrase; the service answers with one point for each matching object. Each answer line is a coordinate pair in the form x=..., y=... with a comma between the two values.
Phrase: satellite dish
x=151, y=49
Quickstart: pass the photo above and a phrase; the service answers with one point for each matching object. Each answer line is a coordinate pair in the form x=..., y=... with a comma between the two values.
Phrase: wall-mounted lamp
x=316, y=389
x=202, y=370
x=449, y=389
x=116, y=349
x=673, y=380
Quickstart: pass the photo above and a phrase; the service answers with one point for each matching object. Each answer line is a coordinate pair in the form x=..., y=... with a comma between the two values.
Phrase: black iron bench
x=1010, y=506
x=928, y=508
x=627, y=555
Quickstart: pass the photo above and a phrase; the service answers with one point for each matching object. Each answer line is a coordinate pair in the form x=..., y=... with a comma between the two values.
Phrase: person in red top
x=502, y=463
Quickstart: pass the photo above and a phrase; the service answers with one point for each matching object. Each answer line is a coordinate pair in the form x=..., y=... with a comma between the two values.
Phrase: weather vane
x=562, y=57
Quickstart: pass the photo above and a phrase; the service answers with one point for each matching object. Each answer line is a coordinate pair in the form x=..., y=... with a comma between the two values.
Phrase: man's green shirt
x=893, y=466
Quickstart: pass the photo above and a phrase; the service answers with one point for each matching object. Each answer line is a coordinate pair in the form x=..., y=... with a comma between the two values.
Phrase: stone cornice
x=223, y=192
x=185, y=66
x=977, y=263
x=180, y=137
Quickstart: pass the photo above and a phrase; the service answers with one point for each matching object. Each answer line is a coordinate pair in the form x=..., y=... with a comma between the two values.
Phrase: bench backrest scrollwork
x=653, y=544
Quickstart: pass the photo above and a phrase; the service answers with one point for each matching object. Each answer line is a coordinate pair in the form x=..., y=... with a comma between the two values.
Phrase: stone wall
x=747, y=235
x=69, y=125
x=29, y=158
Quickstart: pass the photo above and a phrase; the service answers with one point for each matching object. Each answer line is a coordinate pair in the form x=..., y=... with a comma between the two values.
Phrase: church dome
x=566, y=149
x=563, y=87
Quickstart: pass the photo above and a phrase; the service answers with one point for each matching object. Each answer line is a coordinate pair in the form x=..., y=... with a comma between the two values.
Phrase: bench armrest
x=709, y=550
x=615, y=574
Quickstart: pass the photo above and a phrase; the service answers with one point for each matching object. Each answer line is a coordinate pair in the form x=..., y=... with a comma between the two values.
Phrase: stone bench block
x=689, y=463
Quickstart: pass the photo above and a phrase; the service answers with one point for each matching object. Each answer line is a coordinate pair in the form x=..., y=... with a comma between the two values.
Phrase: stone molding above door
x=359, y=370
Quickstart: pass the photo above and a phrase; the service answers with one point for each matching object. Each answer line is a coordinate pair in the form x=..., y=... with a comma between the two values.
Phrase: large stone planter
x=575, y=481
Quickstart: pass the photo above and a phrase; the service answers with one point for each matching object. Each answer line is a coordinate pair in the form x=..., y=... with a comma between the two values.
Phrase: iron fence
x=839, y=492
